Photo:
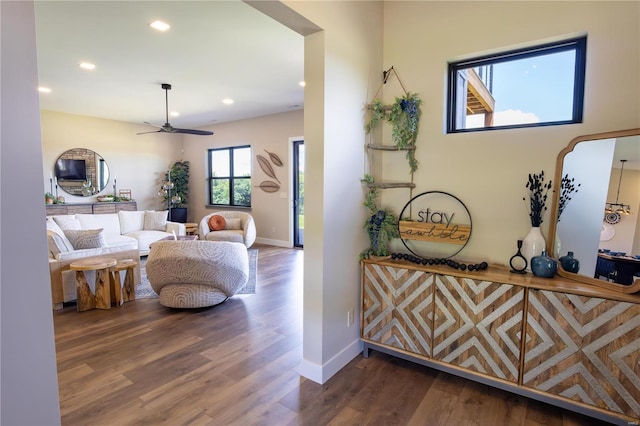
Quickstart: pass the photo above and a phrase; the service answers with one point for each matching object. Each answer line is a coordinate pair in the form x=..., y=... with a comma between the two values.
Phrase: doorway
x=298, y=193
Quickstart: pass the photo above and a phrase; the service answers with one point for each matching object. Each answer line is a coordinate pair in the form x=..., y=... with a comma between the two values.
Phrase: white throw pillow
x=86, y=239
x=131, y=221
x=65, y=244
x=56, y=244
x=233, y=223
x=68, y=222
x=155, y=221
x=109, y=222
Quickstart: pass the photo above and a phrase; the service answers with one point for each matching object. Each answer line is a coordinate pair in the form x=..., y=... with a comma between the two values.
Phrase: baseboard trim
x=321, y=373
x=270, y=242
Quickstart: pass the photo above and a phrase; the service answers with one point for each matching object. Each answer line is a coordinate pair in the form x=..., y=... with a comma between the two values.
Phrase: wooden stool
x=99, y=267
x=123, y=291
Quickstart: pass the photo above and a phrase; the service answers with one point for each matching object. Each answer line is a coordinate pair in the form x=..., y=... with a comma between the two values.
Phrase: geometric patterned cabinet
x=396, y=306
x=478, y=325
x=581, y=348
x=584, y=348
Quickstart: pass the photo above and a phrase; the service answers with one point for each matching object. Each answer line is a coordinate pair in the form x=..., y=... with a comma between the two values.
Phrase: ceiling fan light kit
x=168, y=128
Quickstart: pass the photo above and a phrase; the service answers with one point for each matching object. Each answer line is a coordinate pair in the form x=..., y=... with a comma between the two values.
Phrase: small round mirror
x=81, y=172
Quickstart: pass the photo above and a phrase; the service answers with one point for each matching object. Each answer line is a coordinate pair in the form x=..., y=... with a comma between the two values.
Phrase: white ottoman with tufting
x=195, y=274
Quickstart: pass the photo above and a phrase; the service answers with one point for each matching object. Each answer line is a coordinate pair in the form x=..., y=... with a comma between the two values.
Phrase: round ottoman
x=196, y=274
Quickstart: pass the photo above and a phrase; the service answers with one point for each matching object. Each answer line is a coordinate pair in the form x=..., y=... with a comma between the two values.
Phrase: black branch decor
x=567, y=188
x=538, y=193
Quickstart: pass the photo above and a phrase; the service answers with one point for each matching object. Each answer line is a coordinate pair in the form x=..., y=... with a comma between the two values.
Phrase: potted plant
x=179, y=176
x=49, y=198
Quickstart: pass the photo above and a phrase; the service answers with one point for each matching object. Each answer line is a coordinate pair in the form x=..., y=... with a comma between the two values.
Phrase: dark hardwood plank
x=237, y=364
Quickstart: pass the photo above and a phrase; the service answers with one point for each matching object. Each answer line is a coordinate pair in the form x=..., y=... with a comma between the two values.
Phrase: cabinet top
x=500, y=274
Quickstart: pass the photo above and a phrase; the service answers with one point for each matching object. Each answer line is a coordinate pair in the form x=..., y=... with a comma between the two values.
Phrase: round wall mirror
x=81, y=172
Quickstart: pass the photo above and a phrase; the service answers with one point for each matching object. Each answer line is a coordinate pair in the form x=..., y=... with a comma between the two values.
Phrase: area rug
x=144, y=290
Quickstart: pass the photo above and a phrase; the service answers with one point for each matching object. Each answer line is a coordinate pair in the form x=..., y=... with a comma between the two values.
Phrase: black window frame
x=578, y=44
x=230, y=178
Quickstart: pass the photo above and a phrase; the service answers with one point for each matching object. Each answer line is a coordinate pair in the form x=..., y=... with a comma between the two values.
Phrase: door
x=298, y=193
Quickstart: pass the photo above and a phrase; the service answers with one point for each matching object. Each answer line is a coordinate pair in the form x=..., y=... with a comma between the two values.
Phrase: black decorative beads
x=439, y=261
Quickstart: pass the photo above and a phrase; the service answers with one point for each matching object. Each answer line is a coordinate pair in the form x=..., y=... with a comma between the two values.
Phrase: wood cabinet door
x=397, y=308
x=478, y=325
x=584, y=348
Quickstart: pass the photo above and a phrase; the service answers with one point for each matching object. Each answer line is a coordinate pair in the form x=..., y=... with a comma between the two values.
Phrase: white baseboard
x=270, y=242
x=321, y=373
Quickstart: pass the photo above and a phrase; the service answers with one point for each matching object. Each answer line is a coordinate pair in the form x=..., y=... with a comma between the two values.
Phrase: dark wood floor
x=236, y=364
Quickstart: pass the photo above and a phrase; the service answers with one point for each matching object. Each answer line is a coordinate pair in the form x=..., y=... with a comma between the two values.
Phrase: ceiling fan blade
x=168, y=128
x=192, y=132
x=153, y=131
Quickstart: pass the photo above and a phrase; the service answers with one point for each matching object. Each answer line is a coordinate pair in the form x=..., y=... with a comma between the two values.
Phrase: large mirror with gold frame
x=600, y=224
x=81, y=172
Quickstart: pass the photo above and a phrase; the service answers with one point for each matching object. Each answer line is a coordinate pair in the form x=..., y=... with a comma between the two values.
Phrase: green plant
x=404, y=117
x=382, y=224
x=180, y=178
x=49, y=195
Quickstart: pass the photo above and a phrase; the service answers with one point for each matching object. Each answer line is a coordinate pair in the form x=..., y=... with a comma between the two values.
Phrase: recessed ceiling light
x=43, y=89
x=302, y=83
x=174, y=113
x=227, y=101
x=159, y=25
x=87, y=66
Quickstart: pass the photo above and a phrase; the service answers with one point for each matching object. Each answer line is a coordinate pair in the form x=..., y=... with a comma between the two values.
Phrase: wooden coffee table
x=96, y=270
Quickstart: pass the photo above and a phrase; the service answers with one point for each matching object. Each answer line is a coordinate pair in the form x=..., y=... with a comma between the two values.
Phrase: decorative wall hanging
x=267, y=168
x=441, y=226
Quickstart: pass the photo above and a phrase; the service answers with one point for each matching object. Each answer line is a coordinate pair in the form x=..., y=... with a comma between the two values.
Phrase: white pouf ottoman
x=196, y=274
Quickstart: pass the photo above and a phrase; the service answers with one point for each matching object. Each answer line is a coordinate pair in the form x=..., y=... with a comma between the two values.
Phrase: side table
x=95, y=270
x=123, y=290
x=191, y=228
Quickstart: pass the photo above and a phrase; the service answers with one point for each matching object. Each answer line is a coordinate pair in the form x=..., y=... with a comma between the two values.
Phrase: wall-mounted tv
x=70, y=169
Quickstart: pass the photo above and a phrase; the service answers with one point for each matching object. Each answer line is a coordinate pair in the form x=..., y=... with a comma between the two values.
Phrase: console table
x=554, y=340
x=91, y=208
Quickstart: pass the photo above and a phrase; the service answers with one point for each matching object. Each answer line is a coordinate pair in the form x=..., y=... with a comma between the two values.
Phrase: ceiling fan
x=168, y=128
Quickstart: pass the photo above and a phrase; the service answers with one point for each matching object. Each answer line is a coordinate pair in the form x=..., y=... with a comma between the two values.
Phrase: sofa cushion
x=120, y=241
x=66, y=222
x=55, y=244
x=109, y=222
x=233, y=223
x=146, y=237
x=131, y=221
x=217, y=223
x=155, y=221
x=86, y=238
x=63, y=242
x=233, y=236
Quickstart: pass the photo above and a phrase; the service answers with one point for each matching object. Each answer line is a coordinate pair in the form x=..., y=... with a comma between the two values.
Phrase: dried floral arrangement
x=381, y=226
x=567, y=188
x=538, y=193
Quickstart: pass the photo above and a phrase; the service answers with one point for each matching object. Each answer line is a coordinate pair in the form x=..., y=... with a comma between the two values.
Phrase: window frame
x=577, y=44
x=230, y=178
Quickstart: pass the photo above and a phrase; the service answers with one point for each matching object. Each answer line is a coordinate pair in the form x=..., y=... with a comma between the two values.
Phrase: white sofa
x=122, y=235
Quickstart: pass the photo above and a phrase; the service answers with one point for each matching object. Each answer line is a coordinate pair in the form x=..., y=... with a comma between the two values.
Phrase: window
x=230, y=176
x=537, y=86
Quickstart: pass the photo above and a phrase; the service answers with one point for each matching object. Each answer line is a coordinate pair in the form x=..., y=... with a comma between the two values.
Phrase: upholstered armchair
x=233, y=226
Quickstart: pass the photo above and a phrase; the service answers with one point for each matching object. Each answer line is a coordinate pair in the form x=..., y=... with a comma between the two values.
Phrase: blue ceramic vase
x=544, y=266
x=569, y=263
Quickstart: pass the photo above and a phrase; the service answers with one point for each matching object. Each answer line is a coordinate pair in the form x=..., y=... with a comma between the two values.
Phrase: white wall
x=488, y=170
x=270, y=211
x=28, y=381
x=137, y=162
x=343, y=65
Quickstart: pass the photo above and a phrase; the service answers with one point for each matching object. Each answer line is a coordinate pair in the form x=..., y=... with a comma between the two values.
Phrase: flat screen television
x=70, y=169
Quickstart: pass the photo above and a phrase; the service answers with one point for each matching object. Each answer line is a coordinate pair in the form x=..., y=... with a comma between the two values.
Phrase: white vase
x=532, y=245
x=557, y=247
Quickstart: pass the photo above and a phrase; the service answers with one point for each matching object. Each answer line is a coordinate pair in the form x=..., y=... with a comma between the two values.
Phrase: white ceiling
x=214, y=50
